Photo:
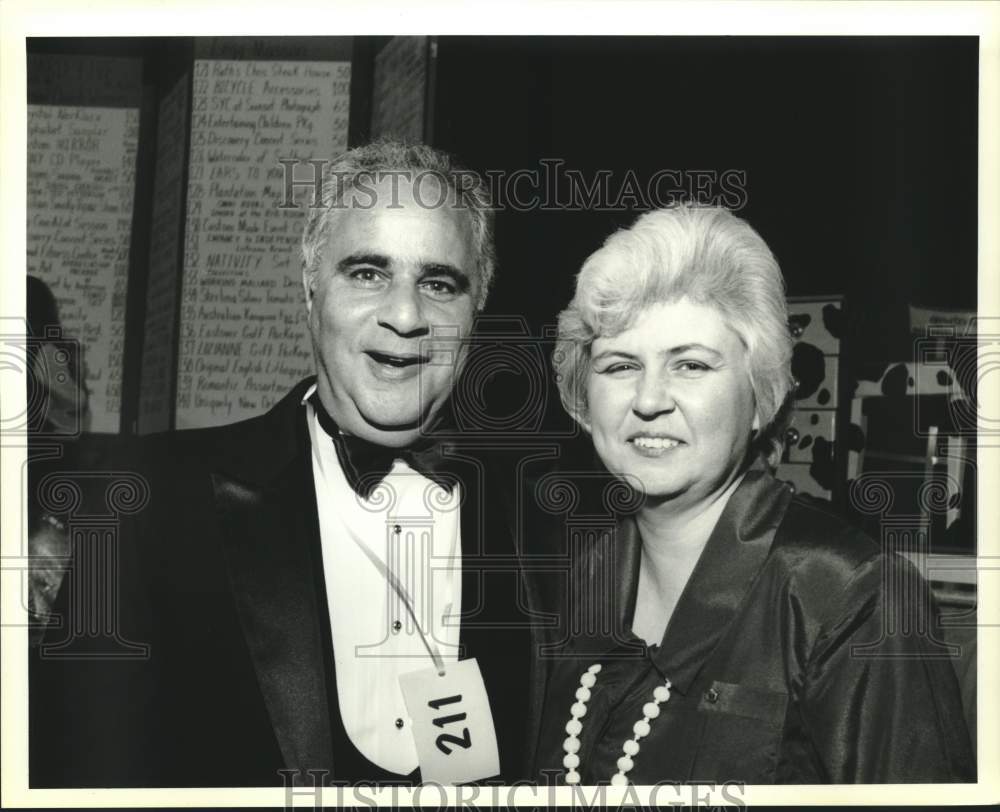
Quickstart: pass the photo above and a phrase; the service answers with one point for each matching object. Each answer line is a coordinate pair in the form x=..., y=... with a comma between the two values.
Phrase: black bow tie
x=366, y=464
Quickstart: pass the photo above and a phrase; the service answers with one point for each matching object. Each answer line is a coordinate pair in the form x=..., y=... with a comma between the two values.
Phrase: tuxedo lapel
x=474, y=542
x=266, y=504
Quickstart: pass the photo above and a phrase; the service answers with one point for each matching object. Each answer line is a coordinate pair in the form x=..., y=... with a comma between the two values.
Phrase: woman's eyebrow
x=612, y=353
x=682, y=348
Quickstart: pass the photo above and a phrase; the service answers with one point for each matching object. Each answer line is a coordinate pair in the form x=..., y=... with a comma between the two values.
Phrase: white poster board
x=81, y=187
x=243, y=340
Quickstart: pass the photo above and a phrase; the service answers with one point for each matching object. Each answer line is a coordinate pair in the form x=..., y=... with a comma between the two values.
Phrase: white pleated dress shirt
x=412, y=525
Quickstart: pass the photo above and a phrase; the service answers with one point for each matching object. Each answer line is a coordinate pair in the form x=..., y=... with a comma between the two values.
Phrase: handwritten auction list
x=81, y=186
x=243, y=339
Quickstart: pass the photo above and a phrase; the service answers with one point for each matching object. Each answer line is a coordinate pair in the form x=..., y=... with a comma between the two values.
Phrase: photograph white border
x=26, y=18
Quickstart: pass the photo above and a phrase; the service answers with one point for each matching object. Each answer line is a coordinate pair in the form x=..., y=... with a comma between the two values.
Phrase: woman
x=750, y=644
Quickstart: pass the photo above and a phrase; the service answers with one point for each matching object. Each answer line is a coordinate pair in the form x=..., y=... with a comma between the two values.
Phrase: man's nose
x=401, y=310
x=653, y=395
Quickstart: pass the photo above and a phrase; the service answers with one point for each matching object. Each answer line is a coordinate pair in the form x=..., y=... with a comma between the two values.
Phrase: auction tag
x=452, y=724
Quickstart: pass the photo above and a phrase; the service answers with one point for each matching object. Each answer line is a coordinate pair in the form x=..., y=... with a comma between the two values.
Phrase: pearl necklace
x=661, y=693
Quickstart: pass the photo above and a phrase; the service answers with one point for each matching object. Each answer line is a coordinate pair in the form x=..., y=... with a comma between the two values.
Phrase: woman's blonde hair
x=708, y=255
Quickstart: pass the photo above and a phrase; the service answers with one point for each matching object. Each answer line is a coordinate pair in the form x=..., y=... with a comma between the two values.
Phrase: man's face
x=392, y=274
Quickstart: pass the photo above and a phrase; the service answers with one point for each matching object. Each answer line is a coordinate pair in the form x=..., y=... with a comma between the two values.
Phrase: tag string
x=404, y=596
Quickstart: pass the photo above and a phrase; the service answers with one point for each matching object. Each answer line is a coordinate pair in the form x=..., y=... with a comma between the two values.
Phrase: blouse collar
x=725, y=571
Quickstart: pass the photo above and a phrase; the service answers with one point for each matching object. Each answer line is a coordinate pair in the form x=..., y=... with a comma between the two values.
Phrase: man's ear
x=308, y=288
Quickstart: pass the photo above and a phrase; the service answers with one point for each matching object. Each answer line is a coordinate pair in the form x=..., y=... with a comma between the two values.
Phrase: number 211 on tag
x=452, y=724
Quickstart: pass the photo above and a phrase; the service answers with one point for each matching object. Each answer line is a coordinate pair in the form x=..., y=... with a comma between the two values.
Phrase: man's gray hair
x=363, y=167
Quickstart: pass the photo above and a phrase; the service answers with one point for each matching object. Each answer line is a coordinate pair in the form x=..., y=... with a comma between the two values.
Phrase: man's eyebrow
x=456, y=275
x=377, y=260
x=382, y=262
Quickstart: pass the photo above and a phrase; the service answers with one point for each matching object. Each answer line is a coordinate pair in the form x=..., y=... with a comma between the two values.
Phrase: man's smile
x=395, y=366
x=397, y=359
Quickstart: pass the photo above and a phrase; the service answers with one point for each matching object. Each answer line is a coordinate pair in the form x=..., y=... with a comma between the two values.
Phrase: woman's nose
x=653, y=395
x=401, y=310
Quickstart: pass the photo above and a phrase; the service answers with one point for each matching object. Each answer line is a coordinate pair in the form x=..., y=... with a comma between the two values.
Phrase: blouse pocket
x=741, y=733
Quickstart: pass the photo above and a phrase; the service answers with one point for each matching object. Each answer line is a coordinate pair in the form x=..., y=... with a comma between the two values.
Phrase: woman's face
x=671, y=402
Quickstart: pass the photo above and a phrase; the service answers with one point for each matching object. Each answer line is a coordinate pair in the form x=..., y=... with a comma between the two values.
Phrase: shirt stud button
x=711, y=695
x=397, y=529
x=399, y=723
x=396, y=625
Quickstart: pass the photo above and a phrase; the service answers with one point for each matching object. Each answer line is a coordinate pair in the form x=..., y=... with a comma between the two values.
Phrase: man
x=290, y=568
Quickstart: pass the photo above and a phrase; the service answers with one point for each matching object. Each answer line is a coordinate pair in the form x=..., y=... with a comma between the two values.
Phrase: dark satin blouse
x=789, y=658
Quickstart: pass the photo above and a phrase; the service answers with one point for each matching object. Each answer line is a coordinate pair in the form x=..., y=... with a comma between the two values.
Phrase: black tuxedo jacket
x=219, y=576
